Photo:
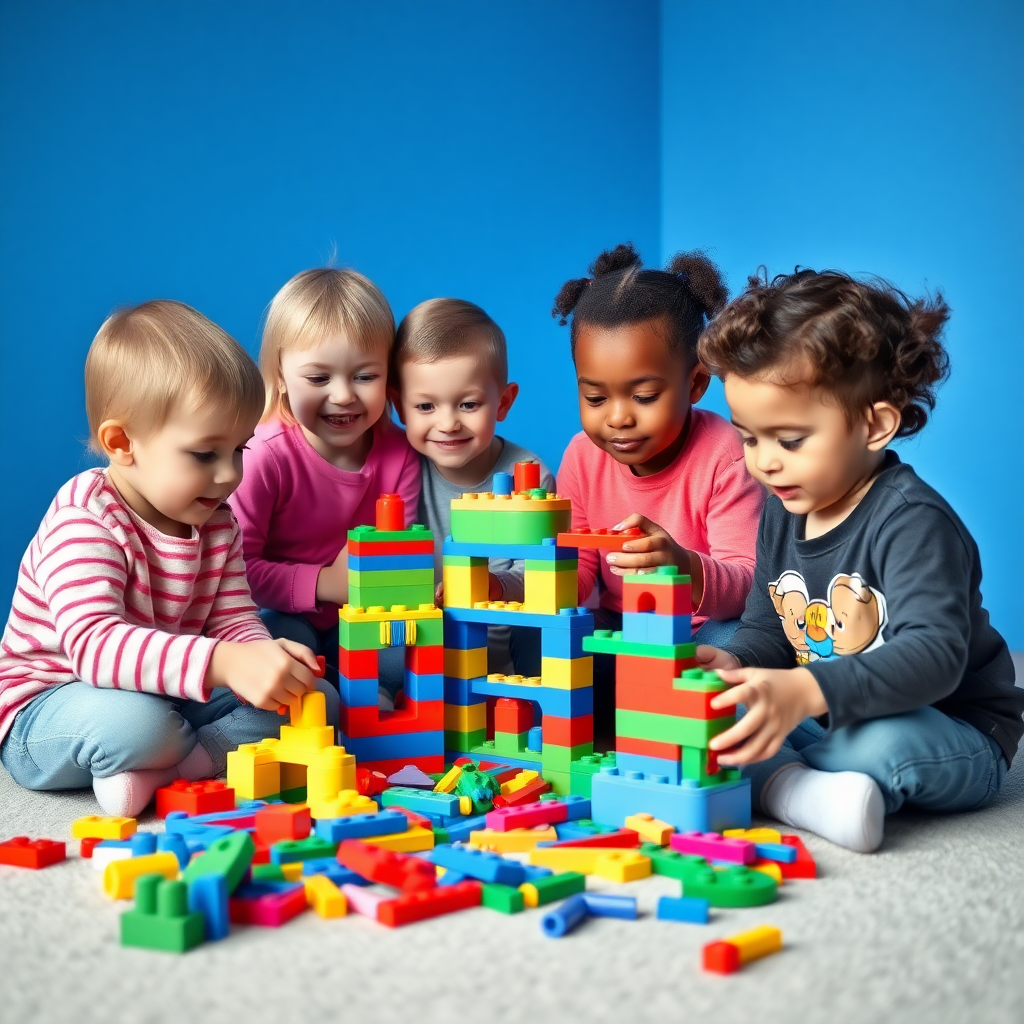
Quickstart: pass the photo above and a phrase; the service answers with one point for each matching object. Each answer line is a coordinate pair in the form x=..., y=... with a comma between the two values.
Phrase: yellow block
x=464, y=585
x=650, y=829
x=754, y=835
x=768, y=868
x=414, y=840
x=293, y=776
x=465, y=805
x=460, y=718
x=93, y=826
x=522, y=779
x=324, y=896
x=448, y=782
x=516, y=840
x=530, y=681
x=292, y=871
x=119, y=875
x=547, y=592
x=623, y=866
x=378, y=613
x=348, y=801
x=465, y=664
x=567, y=673
x=758, y=942
x=615, y=865
x=486, y=501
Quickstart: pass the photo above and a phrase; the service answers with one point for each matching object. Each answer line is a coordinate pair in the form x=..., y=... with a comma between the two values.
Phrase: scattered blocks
x=649, y=828
x=418, y=906
x=712, y=846
x=692, y=909
x=93, y=826
x=269, y=904
x=161, y=918
x=326, y=899
x=120, y=876
x=22, y=852
x=193, y=798
x=726, y=957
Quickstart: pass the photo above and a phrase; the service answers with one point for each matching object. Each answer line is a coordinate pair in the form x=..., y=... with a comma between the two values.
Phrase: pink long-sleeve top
x=705, y=499
x=295, y=510
x=106, y=598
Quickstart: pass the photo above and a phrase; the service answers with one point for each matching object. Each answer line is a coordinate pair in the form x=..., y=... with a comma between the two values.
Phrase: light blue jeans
x=922, y=758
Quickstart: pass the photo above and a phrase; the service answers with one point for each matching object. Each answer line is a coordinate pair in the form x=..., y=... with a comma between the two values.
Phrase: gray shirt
x=884, y=609
x=435, y=512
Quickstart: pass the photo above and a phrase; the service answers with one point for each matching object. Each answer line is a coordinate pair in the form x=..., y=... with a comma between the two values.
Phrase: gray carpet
x=931, y=928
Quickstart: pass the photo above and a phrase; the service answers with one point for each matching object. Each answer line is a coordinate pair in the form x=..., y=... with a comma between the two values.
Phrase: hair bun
x=619, y=258
x=567, y=297
x=703, y=279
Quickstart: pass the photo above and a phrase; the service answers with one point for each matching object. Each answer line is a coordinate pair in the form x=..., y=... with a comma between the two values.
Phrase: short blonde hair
x=146, y=359
x=445, y=328
x=313, y=306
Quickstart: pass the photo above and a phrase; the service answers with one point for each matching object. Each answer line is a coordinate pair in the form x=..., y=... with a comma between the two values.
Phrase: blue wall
x=207, y=152
x=881, y=137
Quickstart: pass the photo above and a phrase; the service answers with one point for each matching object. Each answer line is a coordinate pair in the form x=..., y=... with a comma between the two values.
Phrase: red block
x=527, y=795
x=609, y=540
x=276, y=823
x=721, y=957
x=804, y=865
x=424, y=661
x=390, y=547
x=194, y=798
x=526, y=476
x=415, y=716
x=271, y=911
x=660, y=598
x=357, y=664
x=649, y=748
x=22, y=852
x=429, y=763
x=410, y=874
x=512, y=715
x=567, y=732
x=421, y=905
x=652, y=673
x=88, y=845
x=370, y=783
x=507, y=771
x=420, y=820
x=679, y=703
x=624, y=839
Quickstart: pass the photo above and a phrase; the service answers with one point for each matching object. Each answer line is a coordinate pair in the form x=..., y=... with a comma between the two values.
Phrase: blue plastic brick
x=358, y=693
x=208, y=895
x=601, y=904
x=534, y=738
x=421, y=801
x=243, y=810
x=548, y=551
x=480, y=864
x=776, y=851
x=196, y=834
x=566, y=619
x=672, y=770
x=367, y=563
x=390, y=748
x=452, y=878
x=459, y=829
x=425, y=687
x=460, y=691
x=535, y=871
x=502, y=483
x=464, y=636
x=561, y=920
x=337, y=873
x=142, y=843
x=552, y=701
x=174, y=842
x=649, y=628
x=358, y=826
x=691, y=909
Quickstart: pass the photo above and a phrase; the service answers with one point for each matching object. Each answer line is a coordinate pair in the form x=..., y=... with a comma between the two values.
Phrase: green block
x=440, y=835
x=268, y=873
x=371, y=533
x=365, y=636
x=561, y=782
x=463, y=742
x=666, y=575
x=290, y=850
x=687, y=732
x=559, y=759
x=734, y=886
x=485, y=752
x=504, y=898
x=538, y=565
x=388, y=597
x=294, y=796
x=604, y=641
x=695, y=762
x=583, y=770
x=510, y=744
x=483, y=526
x=161, y=919
x=390, y=578
x=229, y=857
x=556, y=887
x=466, y=561
x=699, y=681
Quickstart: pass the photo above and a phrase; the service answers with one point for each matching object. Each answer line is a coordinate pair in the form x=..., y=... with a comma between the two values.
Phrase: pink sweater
x=104, y=597
x=705, y=500
x=295, y=510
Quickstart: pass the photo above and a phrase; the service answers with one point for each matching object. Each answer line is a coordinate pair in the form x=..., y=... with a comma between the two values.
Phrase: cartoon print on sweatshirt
x=849, y=621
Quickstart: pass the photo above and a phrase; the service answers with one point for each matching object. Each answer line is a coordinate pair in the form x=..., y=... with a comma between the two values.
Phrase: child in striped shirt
x=133, y=654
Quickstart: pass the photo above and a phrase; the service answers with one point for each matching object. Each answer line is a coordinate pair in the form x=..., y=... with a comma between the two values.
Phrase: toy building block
x=525, y=476
x=567, y=673
x=773, y=869
x=23, y=852
x=754, y=835
x=229, y=856
x=607, y=540
x=732, y=886
x=411, y=777
x=601, y=904
x=483, y=865
x=208, y=896
x=290, y=850
x=776, y=851
x=546, y=591
x=418, y=906
x=423, y=801
x=519, y=781
x=616, y=839
x=606, y=641
x=569, y=732
x=512, y=716
x=269, y=904
x=120, y=876
x=565, y=917
x=161, y=918
x=278, y=822
x=93, y=826
x=615, y=865
x=687, y=732
x=544, y=889
x=649, y=829
x=194, y=797
x=542, y=813
x=804, y=865
x=415, y=839
x=87, y=845
x=502, y=898
x=691, y=909
x=727, y=956
x=649, y=628
x=391, y=547
x=142, y=844
x=517, y=840
x=326, y=899
x=465, y=664
x=359, y=826
x=713, y=846
x=546, y=551
x=464, y=585
x=653, y=767
x=664, y=592
x=109, y=850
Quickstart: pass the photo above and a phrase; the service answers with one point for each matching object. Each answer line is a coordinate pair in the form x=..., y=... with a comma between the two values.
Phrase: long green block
x=229, y=857
x=664, y=575
x=485, y=752
x=687, y=732
x=560, y=759
x=560, y=565
x=699, y=681
x=463, y=741
x=311, y=848
x=483, y=526
x=607, y=642
x=561, y=782
x=557, y=887
x=734, y=886
x=370, y=533
x=388, y=597
x=504, y=898
x=365, y=636
x=390, y=578
x=583, y=770
x=161, y=919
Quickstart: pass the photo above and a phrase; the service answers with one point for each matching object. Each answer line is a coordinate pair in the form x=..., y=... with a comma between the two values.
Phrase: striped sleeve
x=82, y=573
x=233, y=615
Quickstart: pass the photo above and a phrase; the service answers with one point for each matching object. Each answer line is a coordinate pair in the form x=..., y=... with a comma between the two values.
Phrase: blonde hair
x=146, y=359
x=445, y=328
x=313, y=306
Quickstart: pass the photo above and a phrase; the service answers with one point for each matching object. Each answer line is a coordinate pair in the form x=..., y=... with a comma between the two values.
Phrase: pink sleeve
x=284, y=586
x=569, y=487
x=232, y=615
x=732, y=518
x=83, y=574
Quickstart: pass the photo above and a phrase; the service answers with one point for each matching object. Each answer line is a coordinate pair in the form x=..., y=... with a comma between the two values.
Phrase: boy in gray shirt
x=451, y=366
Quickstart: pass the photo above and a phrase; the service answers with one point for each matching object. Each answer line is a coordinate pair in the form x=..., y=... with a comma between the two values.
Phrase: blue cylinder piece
x=602, y=905
x=534, y=738
x=563, y=918
x=143, y=843
x=174, y=842
x=502, y=483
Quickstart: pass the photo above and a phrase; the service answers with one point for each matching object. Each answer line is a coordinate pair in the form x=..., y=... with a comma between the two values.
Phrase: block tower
x=391, y=604
x=663, y=717
x=518, y=520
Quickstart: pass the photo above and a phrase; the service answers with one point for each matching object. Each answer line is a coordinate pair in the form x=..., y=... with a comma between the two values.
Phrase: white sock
x=196, y=765
x=846, y=808
x=126, y=794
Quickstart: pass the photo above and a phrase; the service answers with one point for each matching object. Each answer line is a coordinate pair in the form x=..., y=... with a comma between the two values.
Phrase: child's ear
x=395, y=398
x=883, y=419
x=699, y=381
x=115, y=443
x=508, y=396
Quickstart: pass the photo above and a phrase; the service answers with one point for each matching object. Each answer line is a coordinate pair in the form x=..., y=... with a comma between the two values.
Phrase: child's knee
x=145, y=732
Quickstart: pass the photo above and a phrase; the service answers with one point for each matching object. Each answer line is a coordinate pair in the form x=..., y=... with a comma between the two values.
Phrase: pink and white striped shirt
x=106, y=598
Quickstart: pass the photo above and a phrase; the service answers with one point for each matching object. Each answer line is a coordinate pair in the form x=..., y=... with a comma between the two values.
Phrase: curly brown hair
x=860, y=341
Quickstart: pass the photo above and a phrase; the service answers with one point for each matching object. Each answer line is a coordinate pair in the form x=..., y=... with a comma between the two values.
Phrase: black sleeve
x=760, y=640
x=924, y=568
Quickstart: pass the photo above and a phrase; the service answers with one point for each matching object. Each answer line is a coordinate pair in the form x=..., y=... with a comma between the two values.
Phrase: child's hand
x=712, y=659
x=263, y=673
x=495, y=591
x=777, y=701
x=644, y=554
x=332, y=580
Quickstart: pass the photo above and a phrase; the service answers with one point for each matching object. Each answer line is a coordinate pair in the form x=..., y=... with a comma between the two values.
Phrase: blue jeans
x=69, y=733
x=923, y=758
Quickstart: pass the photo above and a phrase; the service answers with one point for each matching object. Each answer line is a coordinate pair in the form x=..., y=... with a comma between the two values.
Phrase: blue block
x=397, y=633
x=535, y=871
x=460, y=691
x=578, y=806
x=567, y=619
x=534, y=738
x=562, y=643
x=480, y=864
x=563, y=703
x=548, y=551
x=423, y=801
x=776, y=851
x=337, y=873
x=142, y=844
x=561, y=920
x=367, y=563
x=601, y=904
x=691, y=909
x=502, y=483
x=460, y=828
x=174, y=842
x=464, y=636
x=452, y=878
x=614, y=795
x=358, y=693
x=197, y=836
x=243, y=810
x=208, y=895
x=648, y=628
x=423, y=688
x=115, y=844
x=672, y=770
x=358, y=826
x=387, y=748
